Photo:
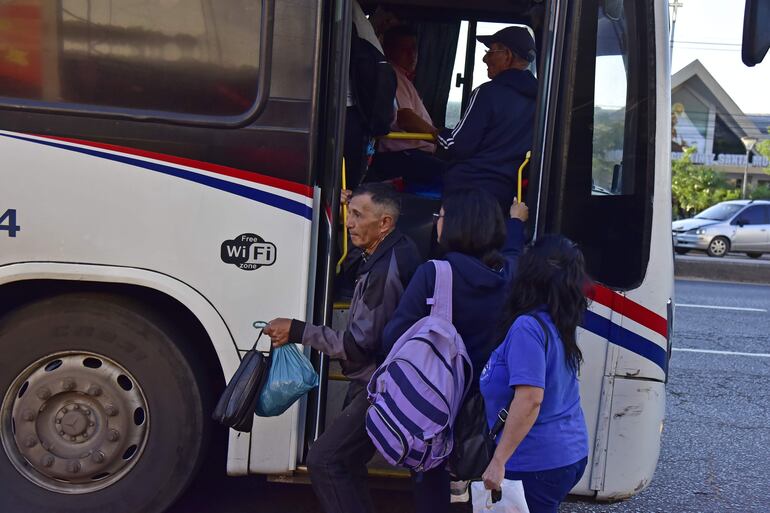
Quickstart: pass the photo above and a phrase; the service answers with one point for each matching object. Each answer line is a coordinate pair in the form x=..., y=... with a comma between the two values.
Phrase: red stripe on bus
x=630, y=309
x=279, y=183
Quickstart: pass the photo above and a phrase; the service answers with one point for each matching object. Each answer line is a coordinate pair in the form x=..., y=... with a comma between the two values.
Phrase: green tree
x=695, y=188
x=760, y=192
x=763, y=148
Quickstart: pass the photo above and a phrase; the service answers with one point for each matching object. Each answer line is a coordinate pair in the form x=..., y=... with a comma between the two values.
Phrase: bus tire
x=101, y=409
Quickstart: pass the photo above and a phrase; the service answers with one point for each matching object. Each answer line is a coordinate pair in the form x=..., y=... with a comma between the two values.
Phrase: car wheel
x=718, y=247
x=680, y=251
x=102, y=408
x=753, y=254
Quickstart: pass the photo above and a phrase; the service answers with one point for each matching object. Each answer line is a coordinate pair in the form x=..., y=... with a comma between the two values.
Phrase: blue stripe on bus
x=267, y=198
x=626, y=339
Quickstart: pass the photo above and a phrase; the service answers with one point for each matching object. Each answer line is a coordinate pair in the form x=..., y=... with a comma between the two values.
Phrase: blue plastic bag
x=291, y=376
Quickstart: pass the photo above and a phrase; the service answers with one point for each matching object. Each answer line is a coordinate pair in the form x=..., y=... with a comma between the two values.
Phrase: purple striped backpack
x=416, y=393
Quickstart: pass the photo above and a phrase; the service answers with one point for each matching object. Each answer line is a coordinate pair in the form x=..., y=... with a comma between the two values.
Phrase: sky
x=711, y=31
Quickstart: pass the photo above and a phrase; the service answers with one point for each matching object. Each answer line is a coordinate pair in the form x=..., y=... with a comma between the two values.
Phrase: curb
x=718, y=270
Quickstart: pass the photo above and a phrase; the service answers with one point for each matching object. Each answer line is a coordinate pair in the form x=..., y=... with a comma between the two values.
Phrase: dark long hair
x=551, y=273
x=473, y=225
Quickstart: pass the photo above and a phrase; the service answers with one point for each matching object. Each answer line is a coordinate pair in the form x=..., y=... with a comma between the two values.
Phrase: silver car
x=738, y=226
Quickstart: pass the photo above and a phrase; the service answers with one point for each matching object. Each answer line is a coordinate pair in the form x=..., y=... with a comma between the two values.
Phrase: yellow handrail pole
x=344, y=222
x=521, y=171
x=411, y=136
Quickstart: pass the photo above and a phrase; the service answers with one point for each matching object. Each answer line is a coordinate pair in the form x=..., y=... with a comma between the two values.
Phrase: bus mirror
x=756, y=31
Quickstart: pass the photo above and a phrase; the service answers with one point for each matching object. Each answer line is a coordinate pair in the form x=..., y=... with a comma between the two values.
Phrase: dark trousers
x=545, y=490
x=431, y=491
x=354, y=149
x=337, y=460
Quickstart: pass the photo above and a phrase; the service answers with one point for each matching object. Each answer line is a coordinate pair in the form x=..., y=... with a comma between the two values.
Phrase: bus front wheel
x=101, y=409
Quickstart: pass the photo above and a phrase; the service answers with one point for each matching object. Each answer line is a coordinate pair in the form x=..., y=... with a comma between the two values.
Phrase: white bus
x=170, y=173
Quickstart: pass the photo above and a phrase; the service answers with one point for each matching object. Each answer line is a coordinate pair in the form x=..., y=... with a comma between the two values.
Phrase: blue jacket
x=478, y=295
x=490, y=141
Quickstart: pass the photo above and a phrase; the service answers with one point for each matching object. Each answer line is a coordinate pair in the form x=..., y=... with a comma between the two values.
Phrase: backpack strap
x=441, y=302
x=543, y=326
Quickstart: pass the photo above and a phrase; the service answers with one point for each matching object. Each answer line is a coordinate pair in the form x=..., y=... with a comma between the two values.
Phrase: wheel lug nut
x=91, y=424
x=73, y=467
x=43, y=393
x=111, y=410
x=73, y=438
x=30, y=441
x=28, y=415
x=45, y=445
x=95, y=390
x=76, y=407
x=47, y=460
x=113, y=435
x=97, y=457
x=87, y=411
x=68, y=384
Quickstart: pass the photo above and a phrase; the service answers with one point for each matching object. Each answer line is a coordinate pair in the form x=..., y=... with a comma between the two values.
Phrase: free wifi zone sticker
x=248, y=251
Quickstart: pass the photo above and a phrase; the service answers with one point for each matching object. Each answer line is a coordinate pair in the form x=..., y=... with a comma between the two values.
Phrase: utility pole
x=748, y=143
x=674, y=5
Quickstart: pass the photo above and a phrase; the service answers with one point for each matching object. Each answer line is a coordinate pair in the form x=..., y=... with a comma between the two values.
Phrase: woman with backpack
x=481, y=247
x=533, y=374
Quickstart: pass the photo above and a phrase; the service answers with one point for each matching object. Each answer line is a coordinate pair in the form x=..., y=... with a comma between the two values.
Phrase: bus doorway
x=448, y=69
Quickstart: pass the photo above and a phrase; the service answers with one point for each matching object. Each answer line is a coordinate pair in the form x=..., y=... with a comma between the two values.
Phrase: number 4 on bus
x=8, y=222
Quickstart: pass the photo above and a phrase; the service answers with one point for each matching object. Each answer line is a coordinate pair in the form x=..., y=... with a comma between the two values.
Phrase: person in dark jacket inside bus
x=482, y=247
x=385, y=262
x=490, y=142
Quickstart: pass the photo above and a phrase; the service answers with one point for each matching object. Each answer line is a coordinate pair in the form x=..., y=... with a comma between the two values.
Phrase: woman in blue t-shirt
x=533, y=374
x=482, y=249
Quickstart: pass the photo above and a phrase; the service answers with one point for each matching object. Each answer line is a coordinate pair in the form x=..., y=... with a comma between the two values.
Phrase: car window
x=753, y=215
x=719, y=212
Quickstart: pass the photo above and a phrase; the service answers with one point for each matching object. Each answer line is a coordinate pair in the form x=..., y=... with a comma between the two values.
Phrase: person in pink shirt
x=413, y=160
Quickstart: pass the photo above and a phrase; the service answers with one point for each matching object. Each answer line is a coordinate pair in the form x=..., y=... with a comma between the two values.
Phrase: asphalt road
x=715, y=454
x=730, y=257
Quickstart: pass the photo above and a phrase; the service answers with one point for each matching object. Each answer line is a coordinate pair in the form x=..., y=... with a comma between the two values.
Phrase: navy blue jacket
x=478, y=295
x=490, y=141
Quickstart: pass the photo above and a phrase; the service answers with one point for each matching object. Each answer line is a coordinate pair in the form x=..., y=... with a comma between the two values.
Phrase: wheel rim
x=718, y=247
x=74, y=422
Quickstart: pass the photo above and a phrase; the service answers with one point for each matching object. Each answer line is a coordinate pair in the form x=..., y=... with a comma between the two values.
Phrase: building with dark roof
x=704, y=116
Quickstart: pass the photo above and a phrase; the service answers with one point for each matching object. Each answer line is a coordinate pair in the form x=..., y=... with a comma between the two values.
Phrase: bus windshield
x=721, y=212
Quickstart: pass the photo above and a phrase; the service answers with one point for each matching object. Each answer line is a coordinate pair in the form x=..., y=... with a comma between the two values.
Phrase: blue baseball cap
x=516, y=39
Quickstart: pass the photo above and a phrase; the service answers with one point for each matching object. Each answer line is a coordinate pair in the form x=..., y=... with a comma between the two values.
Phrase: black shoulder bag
x=475, y=444
x=236, y=406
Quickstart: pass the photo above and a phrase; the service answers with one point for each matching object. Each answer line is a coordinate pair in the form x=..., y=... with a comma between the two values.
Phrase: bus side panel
x=595, y=353
x=243, y=246
x=638, y=408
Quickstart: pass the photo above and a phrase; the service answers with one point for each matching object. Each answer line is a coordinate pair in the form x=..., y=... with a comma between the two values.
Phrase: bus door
x=446, y=35
x=605, y=184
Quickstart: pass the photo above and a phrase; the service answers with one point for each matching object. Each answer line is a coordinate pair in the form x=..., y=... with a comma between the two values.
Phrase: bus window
x=610, y=92
x=454, y=104
x=601, y=188
x=176, y=57
x=460, y=92
x=609, y=123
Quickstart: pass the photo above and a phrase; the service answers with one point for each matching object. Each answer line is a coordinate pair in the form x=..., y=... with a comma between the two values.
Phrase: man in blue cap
x=490, y=142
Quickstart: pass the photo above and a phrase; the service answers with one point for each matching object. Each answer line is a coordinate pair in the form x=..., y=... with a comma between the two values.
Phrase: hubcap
x=718, y=247
x=74, y=422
